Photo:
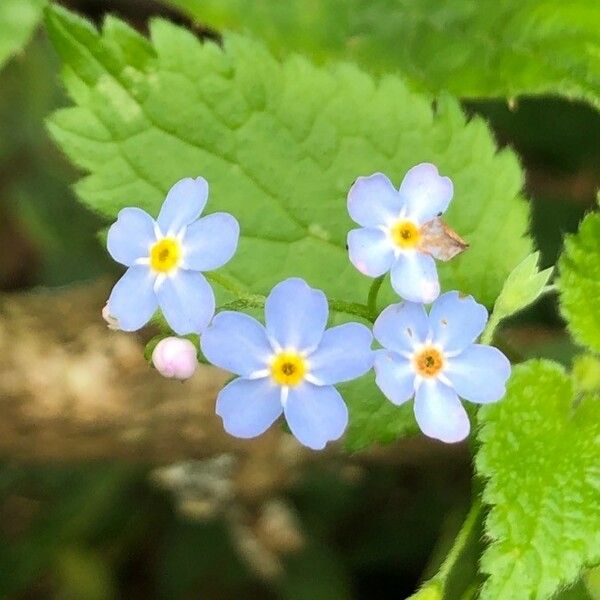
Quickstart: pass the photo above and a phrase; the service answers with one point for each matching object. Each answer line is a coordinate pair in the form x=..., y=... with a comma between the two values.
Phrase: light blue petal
x=249, y=407
x=414, y=277
x=373, y=201
x=236, y=342
x=296, y=315
x=131, y=236
x=426, y=194
x=479, y=373
x=133, y=301
x=187, y=302
x=210, y=242
x=394, y=376
x=370, y=251
x=401, y=327
x=316, y=414
x=439, y=412
x=183, y=205
x=456, y=321
x=343, y=354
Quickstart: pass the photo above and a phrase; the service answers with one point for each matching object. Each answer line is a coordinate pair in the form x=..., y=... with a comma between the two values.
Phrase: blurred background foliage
x=106, y=531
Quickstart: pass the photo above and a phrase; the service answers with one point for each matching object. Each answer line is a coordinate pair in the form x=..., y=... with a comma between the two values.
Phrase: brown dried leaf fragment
x=440, y=241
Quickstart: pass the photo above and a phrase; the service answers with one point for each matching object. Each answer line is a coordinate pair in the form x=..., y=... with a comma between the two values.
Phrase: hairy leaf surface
x=579, y=282
x=540, y=455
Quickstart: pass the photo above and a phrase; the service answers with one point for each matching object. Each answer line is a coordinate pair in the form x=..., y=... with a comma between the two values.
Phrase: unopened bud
x=112, y=322
x=175, y=357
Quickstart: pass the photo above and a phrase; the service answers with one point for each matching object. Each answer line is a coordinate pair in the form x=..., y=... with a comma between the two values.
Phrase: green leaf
x=575, y=592
x=373, y=418
x=18, y=20
x=430, y=591
x=592, y=583
x=500, y=49
x=458, y=573
x=280, y=144
x=586, y=373
x=523, y=286
x=579, y=282
x=541, y=458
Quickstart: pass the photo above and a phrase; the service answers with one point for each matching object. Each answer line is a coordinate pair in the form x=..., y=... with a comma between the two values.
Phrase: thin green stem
x=434, y=588
x=372, y=298
x=496, y=318
x=226, y=282
x=488, y=333
x=245, y=299
x=257, y=301
x=351, y=308
x=461, y=541
x=491, y=332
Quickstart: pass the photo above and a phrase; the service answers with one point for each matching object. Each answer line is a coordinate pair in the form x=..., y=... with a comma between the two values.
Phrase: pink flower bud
x=175, y=357
x=110, y=320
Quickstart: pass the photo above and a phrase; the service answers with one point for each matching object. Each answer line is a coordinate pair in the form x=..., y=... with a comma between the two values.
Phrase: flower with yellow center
x=401, y=232
x=290, y=365
x=405, y=234
x=166, y=257
x=433, y=358
x=428, y=362
x=288, y=368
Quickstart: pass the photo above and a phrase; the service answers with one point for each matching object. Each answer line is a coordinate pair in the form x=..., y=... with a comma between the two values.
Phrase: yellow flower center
x=405, y=234
x=165, y=255
x=288, y=368
x=429, y=362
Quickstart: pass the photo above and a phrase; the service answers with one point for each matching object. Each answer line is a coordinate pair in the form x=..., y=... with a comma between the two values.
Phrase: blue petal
x=479, y=373
x=425, y=193
x=210, y=242
x=414, y=277
x=133, y=301
x=187, y=302
x=296, y=315
x=401, y=327
x=131, y=236
x=183, y=205
x=373, y=201
x=249, y=407
x=394, y=376
x=456, y=321
x=439, y=412
x=343, y=354
x=370, y=251
x=236, y=342
x=316, y=414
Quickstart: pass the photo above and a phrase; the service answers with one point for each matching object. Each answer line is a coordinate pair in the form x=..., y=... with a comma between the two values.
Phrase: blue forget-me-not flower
x=400, y=230
x=434, y=358
x=165, y=259
x=288, y=366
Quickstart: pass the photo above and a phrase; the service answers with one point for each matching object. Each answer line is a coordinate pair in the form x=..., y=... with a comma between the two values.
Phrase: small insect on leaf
x=440, y=241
